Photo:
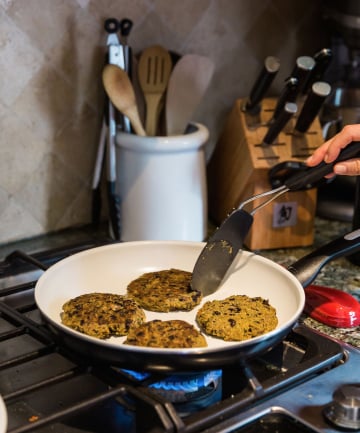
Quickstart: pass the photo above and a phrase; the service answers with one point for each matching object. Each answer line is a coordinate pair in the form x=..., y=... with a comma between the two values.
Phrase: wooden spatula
x=188, y=83
x=153, y=72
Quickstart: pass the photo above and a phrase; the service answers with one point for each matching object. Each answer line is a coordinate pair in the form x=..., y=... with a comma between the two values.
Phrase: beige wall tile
x=49, y=192
x=47, y=103
x=51, y=96
x=20, y=155
x=17, y=223
x=20, y=60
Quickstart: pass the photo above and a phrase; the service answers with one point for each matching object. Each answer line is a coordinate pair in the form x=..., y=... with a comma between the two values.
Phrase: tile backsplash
x=51, y=96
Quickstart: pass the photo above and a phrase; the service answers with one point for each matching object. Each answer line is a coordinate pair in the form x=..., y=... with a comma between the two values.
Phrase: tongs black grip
x=311, y=175
x=283, y=170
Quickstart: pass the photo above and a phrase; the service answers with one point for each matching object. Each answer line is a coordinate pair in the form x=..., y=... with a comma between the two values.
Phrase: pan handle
x=307, y=268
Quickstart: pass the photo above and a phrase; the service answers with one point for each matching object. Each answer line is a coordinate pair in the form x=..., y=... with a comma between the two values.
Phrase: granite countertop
x=340, y=273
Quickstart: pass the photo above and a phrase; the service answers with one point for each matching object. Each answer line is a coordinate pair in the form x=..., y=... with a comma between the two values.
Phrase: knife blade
x=319, y=92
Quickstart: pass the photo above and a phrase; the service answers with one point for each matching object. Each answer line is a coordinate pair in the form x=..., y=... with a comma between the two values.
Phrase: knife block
x=239, y=169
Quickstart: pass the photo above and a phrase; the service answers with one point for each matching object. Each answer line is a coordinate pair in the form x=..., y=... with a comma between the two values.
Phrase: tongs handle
x=311, y=175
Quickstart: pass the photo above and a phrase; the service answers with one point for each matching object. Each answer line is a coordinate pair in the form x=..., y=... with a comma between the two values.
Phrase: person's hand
x=330, y=150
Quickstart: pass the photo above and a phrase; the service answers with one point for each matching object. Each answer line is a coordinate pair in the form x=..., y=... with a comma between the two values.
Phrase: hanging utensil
x=154, y=71
x=125, y=26
x=96, y=183
x=116, y=59
x=222, y=247
x=188, y=83
x=113, y=197
x=114, y=55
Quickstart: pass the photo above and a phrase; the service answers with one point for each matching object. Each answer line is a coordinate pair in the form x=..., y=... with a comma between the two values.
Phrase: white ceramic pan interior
x=111, y=268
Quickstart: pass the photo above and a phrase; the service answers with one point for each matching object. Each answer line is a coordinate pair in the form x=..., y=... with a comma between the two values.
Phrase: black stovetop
x=48, y=387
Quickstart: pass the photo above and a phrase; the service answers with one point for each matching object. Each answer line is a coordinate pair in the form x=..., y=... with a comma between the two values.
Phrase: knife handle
x=322, y=62
x=319, y=92
x=304, y=66
x=312, y=175
x=275, y=128
x=287, y=95
x=262, y=84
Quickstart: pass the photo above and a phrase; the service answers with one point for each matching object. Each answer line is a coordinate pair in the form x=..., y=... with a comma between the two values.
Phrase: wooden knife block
x=239, y=167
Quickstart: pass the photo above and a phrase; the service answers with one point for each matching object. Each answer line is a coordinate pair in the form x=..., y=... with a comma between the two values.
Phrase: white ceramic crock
x=162, y=185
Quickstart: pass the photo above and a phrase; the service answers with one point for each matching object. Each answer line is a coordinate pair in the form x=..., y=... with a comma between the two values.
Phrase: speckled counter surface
x=340, y=274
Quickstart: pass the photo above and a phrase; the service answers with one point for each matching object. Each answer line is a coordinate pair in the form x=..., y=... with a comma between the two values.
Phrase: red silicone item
x=332, y=307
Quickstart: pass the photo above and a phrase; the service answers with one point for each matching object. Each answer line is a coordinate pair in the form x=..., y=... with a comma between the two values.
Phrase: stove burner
x=192, y=391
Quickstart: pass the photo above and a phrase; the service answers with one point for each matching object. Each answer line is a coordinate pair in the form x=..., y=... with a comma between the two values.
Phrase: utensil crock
x=162, y=184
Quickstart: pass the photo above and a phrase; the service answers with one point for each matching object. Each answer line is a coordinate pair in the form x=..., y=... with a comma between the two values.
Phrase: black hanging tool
x=114, y=55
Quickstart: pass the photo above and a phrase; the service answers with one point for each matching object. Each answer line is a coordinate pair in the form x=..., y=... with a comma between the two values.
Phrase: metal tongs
x=119, y=56
x=222, y=247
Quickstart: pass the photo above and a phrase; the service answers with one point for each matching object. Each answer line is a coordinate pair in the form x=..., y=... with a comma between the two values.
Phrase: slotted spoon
x=153, y=72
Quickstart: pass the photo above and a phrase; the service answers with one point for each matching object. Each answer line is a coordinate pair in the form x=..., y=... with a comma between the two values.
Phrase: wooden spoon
x=188, y=83
x=154, y=71
x=121, y=93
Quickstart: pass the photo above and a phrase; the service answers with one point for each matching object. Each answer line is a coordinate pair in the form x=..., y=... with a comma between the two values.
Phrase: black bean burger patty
x=102, y=315
x=164, y=291
x=237, y=317
x=166, y=334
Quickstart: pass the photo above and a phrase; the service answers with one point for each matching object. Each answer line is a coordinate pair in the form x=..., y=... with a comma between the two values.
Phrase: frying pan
x=110, y=268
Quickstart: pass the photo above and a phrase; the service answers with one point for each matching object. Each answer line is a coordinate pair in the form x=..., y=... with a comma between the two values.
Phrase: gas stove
x=308, y=383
